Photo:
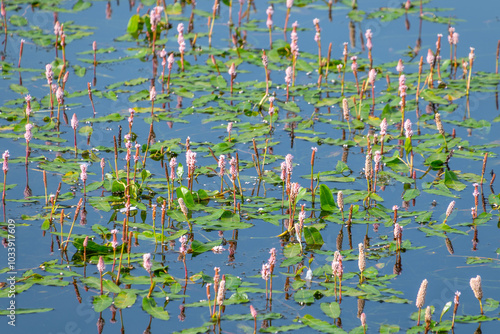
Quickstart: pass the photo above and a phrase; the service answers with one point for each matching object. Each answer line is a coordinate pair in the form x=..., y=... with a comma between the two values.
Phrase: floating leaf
x=313, y=237
x=101, y=303
x=304, y=296
x=149, y=305
x=125, y=299
x=331, y=309
x=326, y=198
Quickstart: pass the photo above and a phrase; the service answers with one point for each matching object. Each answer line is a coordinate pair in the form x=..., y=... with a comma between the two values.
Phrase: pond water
x=58, y=290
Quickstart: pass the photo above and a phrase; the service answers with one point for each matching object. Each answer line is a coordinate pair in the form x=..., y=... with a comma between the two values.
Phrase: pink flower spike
x=74, y=122
x=232, y=70
x=400, y=67
x=372, y=75
x=152, y=93
x=100, y=265
x=147, y=264
x=83, y=174
x=253, y=312
x=5, y=157
x=28, y=135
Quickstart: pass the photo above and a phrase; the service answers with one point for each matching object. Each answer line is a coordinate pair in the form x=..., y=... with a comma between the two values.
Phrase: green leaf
x=26, y=311
x=102, y=302
x=411, y=194
x=125, y=299
x=312, y=236
x=331, y=309
x=110, y=286
x=221, y=82
x=430, y=96
x=185, y=194
x=292, y=250
x=81, y=5
x=320, y=325
x=18, y=21
x=100, y=203
x=451, y=181
x=304, y=296
x=386, y=329
x=326, y=198
x=149, y=305
x=199, y=247
x=284, y=329
x=446, y=307
x=477, y=260
x=490, y=304
x=19, y=89
x=291, y=261
x=133, y=24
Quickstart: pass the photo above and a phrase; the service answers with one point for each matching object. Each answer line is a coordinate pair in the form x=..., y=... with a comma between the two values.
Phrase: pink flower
x=5, y=157
x=471, y=54
x=264, y=60
x=28, y=135
x=100, y=265
x=57, y=28
x=180, y=28
x=253, y=312
x=155, y=17
x=457, y=297
x=337, y=264
x=288, y=75
x=173, y=165
x=430, y=57
x=191, y=159
x=283, y=171
x=163, y=53
x=74, y=122
x=383, y=127
x=152, y=93
x=408, y=130
x=368, y=34
x=83, y=174
x=377, y=158
x=222, y=164
x=302, y=217
x=218, y=249
x=170, y=61
x=265, y=272
x=272, y=258
x=60, y=95
x=233, y=169
x=289, y=4
x=354, y=65
x=397, y=231
x=232, y=70
x=147, y=264
x=49, y=74
x=371, y=76
x=454, y=38
x=131, y=117
x=289, y=165
x=400, y=67
x=362, y=318
x=450, y=208
x=317, y=37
